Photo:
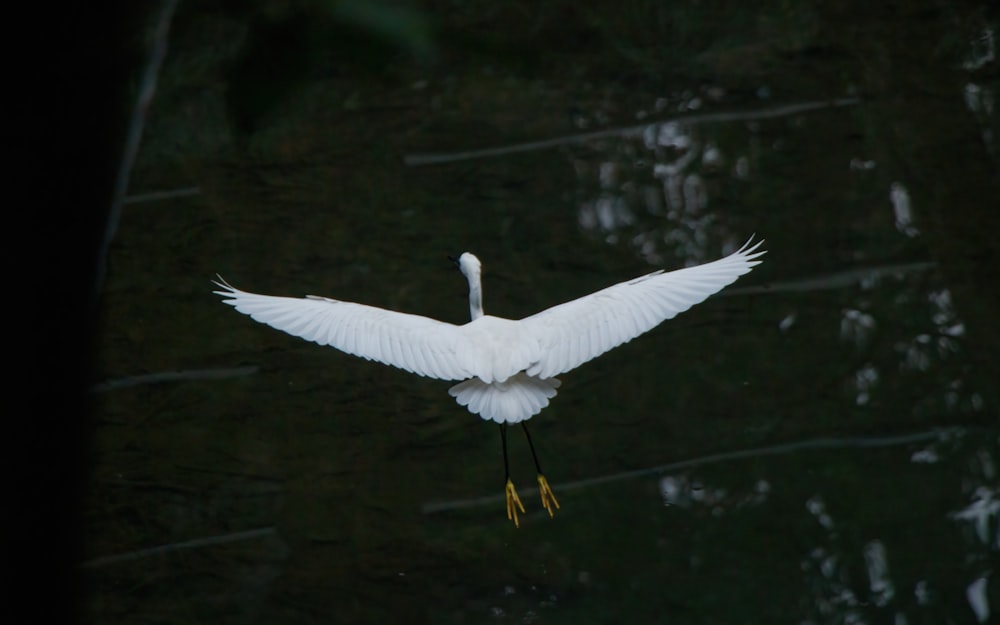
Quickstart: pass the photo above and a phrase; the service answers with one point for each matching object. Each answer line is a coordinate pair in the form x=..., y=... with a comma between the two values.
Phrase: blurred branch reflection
x=941, y=434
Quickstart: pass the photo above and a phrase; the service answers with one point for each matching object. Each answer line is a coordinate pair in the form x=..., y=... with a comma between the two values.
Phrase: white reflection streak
x=742, y=169
x=978, y=599
x=983, y=50
x=865, y=379
x=856, y=327
x=922, y=593
x=918, y=353
x=786, y=324
x=711, y=156
x=436, y=158
x=877, y=561
x=678, y=490
x=981, y=102
x=833, y=598
x=983, y=509
x=817, y=508
x=945, y=317
x=672, y=490
x=688, y=151
x=925, y=456
x=902, y=209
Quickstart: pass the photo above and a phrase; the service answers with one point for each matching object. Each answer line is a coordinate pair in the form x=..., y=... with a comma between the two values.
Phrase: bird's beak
x=453, y=259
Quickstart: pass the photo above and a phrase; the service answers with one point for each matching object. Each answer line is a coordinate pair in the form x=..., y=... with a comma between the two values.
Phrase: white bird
x=508, y=366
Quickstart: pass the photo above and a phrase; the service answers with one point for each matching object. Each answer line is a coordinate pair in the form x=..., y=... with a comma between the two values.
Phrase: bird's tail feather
x=518, y=398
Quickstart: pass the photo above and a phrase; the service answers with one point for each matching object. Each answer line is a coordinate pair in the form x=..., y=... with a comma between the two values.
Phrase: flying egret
x=508, y=366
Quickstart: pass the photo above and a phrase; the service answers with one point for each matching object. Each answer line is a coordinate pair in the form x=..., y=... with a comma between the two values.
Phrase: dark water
x=819, y=444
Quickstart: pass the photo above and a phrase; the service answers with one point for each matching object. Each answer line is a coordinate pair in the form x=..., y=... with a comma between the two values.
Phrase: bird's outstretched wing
x=417, y=344
x=575, y=332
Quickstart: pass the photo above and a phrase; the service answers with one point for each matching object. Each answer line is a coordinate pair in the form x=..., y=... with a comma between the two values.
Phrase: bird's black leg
x=548, y=497
x=531, y=446
x=503, y=441
x=513, y=501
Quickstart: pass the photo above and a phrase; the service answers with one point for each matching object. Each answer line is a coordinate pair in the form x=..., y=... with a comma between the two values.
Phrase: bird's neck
x=475, y=299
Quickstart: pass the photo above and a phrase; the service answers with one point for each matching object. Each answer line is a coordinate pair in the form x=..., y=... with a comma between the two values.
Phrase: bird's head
x=468, y=264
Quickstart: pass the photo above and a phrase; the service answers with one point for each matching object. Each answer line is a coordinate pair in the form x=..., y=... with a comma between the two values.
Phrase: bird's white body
x=508, y=367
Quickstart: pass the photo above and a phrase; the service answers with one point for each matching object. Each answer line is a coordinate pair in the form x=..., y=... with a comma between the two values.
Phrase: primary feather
x=583, y=329
x=509, y=366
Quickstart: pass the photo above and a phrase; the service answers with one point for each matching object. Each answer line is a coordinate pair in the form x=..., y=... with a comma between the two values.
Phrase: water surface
x=818, y=444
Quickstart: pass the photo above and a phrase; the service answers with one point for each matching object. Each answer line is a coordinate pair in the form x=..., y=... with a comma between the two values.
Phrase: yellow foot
x=513, y=503
x=548, y=497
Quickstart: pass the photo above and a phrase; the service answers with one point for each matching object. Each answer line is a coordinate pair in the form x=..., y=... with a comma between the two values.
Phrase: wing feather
x=411, y=342
x=578, y=331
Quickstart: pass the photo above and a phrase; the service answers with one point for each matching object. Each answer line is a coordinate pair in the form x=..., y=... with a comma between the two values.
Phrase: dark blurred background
x=818, y=444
